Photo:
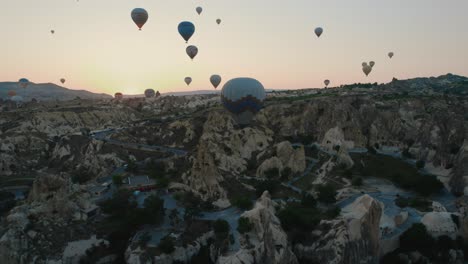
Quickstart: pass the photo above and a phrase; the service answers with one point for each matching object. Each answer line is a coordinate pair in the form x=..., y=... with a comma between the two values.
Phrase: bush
x=244, y=225
x=326, y=193
x=272, y=173
x=221, y=226
x=357, y=181
x=286, y=173
x=420, y=164
x=132, y=166
x=242, y=202
x=269, y=185
x=348, y=173
x=416, y=239
x=117, y=179
x=167, y=245
x=308, y=201
x=333, y=213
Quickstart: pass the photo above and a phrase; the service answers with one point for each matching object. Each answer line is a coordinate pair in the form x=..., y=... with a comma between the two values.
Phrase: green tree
x=245, y=225
x=357, y=181
x=221, y=226
x=132, y=166
x=117, y=179
x=167, y=245
x=242, y=202
x=416, y=239
x=326, y=193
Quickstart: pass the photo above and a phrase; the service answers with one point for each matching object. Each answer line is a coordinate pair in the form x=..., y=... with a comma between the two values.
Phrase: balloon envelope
x=372, y=63
x=186, y=30
x=367, y=69
x=192, y=51
x=139, y=16
x=118, y=96
x=23, y=82
x=390, y=54
x=215, y=80
x=52, y=31
x=188, y=80
x=199, y=10
x=62, y=80
x=326, y=82
x=318, y=31
x=364, y=64
x=149, y=93
x=243, y=97
x=218, y=21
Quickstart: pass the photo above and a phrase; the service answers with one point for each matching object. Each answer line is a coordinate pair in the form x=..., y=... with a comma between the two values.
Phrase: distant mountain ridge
x=47, y=92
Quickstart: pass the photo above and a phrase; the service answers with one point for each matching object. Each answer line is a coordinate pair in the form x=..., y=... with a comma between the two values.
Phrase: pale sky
x=96, y=45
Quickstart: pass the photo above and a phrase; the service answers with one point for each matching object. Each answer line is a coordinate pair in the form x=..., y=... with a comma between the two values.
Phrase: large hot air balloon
x=23, y=82
x=215, y=80
x=149, y=93
x=62, y=80
x=218, y=21
x=372, y=63
x=243, y=97
x=11, y=93
x=367, y=69
x=192, y=51
x=318, y=31
x=139, y=16
x=188, y=80
x=390, y=54
x=118, y=96
x=199, y=10
x=326, y=82
x=186, y=30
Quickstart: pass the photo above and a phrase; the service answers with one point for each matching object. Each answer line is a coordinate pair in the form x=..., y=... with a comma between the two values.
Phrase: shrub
x=416, y=239
x=167, y=245
x=244, y=225
x=272, y=173
x=308, y=201
x=117, y=179
x=357, y=181
x=326, y=193
x=242, y=202
x=333, y=212
x=221, y=226
x=420, y=164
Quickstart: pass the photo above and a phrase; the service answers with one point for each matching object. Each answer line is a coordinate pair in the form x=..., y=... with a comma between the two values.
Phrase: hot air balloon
x=218, y=21
x=158, y=94
x=199, y=10
x=139, y=16
x=186, y=30
x=243, y=97
x=118, y=96
x=367, y=69
x=62, y=80
x=215, y=80
x=188, y=80
x=23, y=82
x=11, y=93
x=149, y=93
x=318, y=31
x=326, y=82
x=372, y=63
x=192, y=51
x=52, y=31
x=390, y=54
x=364, y=64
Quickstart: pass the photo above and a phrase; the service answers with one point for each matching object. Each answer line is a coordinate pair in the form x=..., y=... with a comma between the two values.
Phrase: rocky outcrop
x=267, y=242
x=439, y=224
x=459, y=174
x=353, y=238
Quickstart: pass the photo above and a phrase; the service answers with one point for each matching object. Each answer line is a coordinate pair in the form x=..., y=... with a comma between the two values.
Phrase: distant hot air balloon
x=218, y=21
x=390, y=54
x=367, y=69
x=149, y=93
x=199, y=10
x=326, y=82
x=23, y=82
x=62, y=80
x=139, y=16
x=192, y=51
x=11, y=93
x=188, y=80
x=52, y=31
x=372, y=63
x=243, y=97
x=158, y=94
x=318, y=31
x=364, y=64
x=186, y=30
x=215, y=80
x=118, y=96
